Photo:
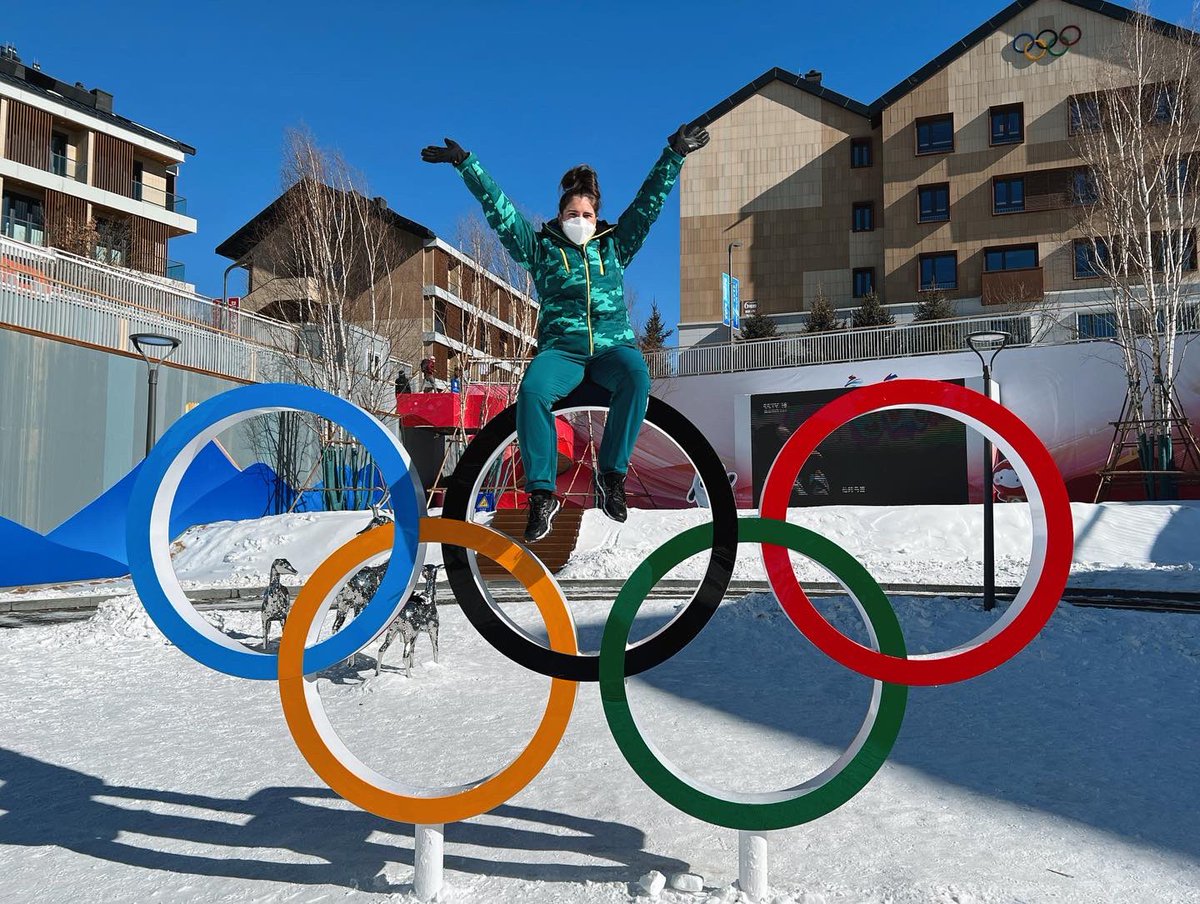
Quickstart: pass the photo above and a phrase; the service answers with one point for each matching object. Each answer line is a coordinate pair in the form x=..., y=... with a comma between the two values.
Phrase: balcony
x=1013, y=286
x=176, y=271
x=62, y=165
x=159, y=198
x=31, y=232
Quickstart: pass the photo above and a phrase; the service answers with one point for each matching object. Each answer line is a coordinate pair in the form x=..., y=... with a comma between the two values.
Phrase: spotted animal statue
x=357, y=592
x=277, y=599
x=419, y=614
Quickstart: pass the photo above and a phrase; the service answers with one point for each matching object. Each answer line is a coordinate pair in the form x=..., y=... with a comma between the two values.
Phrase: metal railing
x=62, y=165
x=159, y=197
x=176, y=271
x=66, y=295
x=837, y=346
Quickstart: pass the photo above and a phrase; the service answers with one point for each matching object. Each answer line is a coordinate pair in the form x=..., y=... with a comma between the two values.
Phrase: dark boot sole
x=602, y=504
x=549, y=525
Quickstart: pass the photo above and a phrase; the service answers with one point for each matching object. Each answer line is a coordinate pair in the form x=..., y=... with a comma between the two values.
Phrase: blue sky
x=533, y=88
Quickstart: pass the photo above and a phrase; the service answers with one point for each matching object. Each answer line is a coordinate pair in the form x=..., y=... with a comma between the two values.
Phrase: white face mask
x=578, y=229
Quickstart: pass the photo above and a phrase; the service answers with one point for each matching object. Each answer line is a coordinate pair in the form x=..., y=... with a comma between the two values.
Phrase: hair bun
x=580, y=180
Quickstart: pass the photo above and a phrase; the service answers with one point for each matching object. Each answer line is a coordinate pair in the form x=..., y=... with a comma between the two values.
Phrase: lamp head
x=153, y=347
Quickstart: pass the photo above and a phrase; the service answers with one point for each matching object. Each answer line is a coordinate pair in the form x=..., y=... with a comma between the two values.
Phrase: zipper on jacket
x=588, y=277
x=565, y=262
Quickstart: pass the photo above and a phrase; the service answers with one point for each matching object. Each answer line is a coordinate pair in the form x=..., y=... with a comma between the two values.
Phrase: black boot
x=543, y=506
x=610, y=495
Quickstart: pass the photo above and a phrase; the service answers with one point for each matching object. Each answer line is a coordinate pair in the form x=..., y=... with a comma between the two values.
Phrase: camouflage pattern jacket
x=581, y=288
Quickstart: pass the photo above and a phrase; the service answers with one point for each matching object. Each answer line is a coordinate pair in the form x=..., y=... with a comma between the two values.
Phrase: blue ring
x=150, y=509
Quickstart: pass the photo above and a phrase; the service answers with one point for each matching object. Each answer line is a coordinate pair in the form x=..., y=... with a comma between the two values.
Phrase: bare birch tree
x=333, y=252
x=1136, y=133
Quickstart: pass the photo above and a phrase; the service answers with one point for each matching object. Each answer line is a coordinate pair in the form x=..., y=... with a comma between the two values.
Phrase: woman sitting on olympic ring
x=578, y=266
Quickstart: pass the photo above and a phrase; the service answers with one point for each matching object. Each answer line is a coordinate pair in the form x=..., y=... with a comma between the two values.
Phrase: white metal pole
x=752, y=865
x=428, y=861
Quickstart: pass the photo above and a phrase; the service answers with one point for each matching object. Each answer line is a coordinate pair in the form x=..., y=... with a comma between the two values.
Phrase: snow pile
x=115, y=622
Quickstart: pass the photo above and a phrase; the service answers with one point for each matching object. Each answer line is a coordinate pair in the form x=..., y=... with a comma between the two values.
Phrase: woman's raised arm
x=514, y=231
x=634, y=224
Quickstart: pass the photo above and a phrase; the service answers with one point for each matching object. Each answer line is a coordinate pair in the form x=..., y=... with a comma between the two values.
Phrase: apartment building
x=76, y=176
x=446, y=305
x=963, y=178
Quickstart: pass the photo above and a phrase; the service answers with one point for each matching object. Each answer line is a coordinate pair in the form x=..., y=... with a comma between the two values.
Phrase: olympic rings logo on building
x=1035, y=47
x=886, y=660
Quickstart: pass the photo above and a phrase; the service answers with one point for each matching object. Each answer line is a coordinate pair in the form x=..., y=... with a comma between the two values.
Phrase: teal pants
x=551, y=376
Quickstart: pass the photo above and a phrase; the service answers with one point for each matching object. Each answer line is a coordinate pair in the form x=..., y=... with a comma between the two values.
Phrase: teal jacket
x=581, y=288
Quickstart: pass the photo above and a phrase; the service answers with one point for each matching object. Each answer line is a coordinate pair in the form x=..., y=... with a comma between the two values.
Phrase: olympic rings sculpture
x=1046, y=40
x=301, y=653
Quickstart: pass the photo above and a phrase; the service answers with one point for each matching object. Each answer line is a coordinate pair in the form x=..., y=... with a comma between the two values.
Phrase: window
x=864, y=282
x=1177, y=177
x=1008, y=194
x=1008, y=124
x=439, y=316
x=939, y=271
x=1083, y=187
x=1014, y=257
x=454, y=277
x=1175, y=249
x=1089, y=260
x=1096, y=326
x=309, y=342
x=138, y=173
x=1164, y=103
x=861, y=150
x=58, y=153
x=1084, y=114
x=935, y=134
x=22, y=218
x=933, y=203
x=864, y=216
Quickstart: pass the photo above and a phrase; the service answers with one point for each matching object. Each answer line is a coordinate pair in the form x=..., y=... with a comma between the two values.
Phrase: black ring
x=647, y=653
x=1047, y=31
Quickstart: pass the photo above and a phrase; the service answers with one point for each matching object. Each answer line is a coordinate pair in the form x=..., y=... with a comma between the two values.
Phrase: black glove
x=451, y=153
x=688, y=139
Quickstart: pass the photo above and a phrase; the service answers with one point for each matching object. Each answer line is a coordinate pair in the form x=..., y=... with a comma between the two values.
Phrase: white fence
x=61, y=294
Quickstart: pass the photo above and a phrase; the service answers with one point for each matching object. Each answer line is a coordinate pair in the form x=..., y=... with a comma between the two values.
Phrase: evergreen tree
x=871, y=313
x=654, y=333
x=934, y=305
x=821, y=317
x=759, y=326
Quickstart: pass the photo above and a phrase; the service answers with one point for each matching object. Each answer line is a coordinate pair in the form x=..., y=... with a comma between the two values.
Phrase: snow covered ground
x=1147, y=546
x=129, y=773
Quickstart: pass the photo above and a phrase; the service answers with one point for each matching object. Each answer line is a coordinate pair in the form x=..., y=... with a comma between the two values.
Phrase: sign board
x=725, y=298
x=735, y=303
x=749, y=307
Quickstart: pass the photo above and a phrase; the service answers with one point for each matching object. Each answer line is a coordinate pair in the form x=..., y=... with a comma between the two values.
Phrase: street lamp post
x=155, y=349
x=979, y=342
x=732, y=245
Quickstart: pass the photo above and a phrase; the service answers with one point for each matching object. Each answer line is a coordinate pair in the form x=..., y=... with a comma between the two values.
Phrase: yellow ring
x=344, y=772
x=1037, y=42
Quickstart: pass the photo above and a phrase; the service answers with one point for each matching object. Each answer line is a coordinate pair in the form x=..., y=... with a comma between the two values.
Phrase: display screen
x=902, y=457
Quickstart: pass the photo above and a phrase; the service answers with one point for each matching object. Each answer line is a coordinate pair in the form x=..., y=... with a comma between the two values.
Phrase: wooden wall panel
x=148, y=246
x=66, y=222
x=112, y=164
x=27, y=135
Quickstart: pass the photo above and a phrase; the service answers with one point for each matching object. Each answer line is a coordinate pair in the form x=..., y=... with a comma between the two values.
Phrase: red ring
x=1027, y=614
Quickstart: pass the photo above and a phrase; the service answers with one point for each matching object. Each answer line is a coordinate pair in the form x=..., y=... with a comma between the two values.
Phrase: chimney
x=813, y=75
x=9, y=52
x=103, y=100
x=381, y=203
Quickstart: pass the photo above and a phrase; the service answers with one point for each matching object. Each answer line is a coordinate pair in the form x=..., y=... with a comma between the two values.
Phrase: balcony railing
x=1013, y=286
x=62, y=165
x=29, y=231
x=176, y=271
x=159, y=197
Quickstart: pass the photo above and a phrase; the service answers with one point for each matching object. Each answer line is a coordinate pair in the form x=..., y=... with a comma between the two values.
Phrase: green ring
x=771, y=810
